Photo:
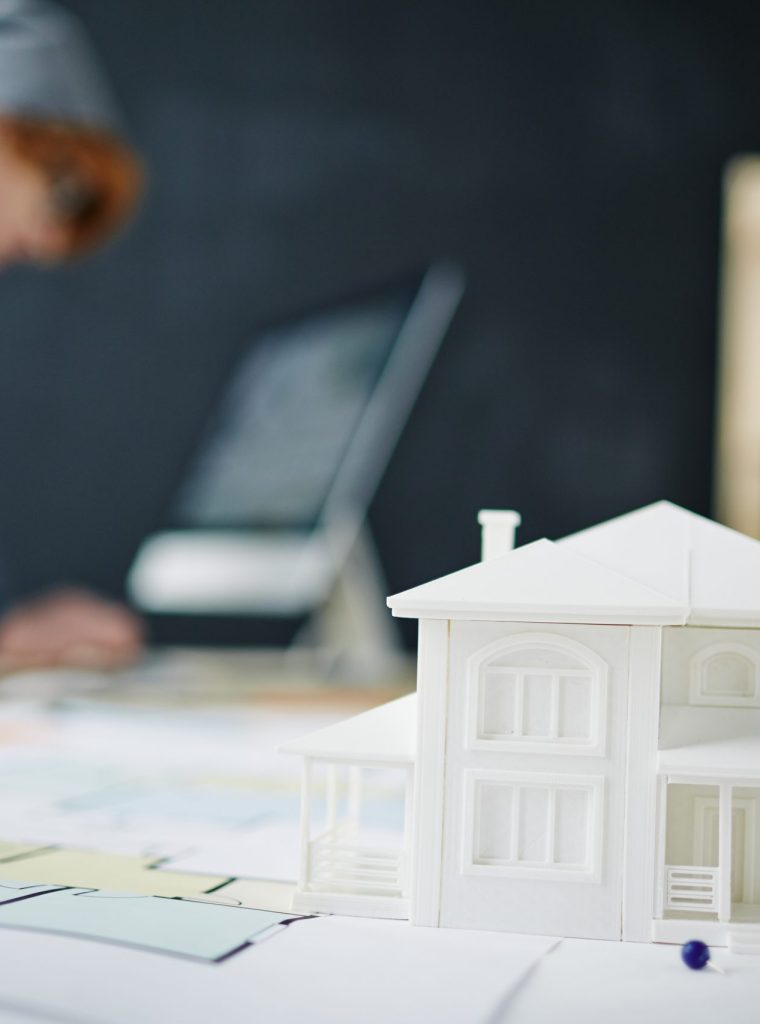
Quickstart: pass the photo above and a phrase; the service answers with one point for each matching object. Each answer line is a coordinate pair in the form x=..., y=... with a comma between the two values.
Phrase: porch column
x=303, y=876
x=354, y=792
x=406, y=873
x=724, y=852
x=660, y=847
x=332, y=797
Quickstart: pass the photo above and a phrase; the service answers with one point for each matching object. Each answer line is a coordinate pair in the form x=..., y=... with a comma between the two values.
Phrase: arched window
x=538, y=693
x=725, y=675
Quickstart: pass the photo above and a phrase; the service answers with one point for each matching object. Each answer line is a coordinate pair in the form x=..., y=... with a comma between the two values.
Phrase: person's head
x=67, y=181
x=64, y=188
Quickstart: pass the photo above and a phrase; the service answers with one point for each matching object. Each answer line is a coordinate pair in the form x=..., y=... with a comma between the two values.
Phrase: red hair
x=95, y=179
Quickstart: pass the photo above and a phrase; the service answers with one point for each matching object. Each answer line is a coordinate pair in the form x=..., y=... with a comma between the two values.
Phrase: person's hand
x=71, y=628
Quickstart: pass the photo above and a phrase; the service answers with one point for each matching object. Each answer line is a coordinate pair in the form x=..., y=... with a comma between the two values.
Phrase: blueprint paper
x=271, y=851
x=32, y=771
x=108, y=832
x=202, y=930
x=215, y=806
x=95, y=796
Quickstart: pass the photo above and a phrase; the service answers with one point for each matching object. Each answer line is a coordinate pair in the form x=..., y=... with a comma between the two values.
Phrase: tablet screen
x=283, y=426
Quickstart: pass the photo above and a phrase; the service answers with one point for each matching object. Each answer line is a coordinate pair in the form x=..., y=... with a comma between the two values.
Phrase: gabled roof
x=659, y=565
x=650, y=545
x=541, y=582
x=714, y=570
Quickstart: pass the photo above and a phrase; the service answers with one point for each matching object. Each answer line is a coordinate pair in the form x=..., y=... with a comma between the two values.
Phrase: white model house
x=586, y=754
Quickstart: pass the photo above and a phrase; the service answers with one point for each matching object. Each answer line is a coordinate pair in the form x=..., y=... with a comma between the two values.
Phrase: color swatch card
x=11, y=891
x=205, y=931
x=88, y=869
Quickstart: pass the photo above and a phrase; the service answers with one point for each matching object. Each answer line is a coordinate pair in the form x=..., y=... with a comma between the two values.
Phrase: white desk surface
x=617, y=983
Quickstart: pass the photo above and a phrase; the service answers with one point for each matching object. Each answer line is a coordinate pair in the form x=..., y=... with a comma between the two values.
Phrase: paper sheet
x=592, y=981
x=271, y=851
x=27, y=1013
x=324, y=970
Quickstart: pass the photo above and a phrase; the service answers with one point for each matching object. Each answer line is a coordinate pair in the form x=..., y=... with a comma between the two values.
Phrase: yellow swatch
x=17, y=849
x=86, y=869
x=257, y=894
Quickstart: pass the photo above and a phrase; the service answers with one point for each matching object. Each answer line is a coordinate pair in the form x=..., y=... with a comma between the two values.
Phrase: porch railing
x=691, y=888
x=336, y=864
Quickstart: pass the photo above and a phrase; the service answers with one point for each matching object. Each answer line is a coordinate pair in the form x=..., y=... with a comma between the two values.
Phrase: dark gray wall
x=569, y=154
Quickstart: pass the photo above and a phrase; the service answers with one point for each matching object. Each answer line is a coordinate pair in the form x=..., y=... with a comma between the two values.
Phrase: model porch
x=709, y=827
x=356, y=809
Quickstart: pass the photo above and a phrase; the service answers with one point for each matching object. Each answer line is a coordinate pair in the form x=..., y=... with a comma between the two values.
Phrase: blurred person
x=69, y=627
x=68, y=182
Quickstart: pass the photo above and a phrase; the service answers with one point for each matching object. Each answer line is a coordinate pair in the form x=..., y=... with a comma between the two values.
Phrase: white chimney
x=497, y=532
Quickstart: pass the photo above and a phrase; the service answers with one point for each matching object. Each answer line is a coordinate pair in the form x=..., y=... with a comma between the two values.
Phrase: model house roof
x=658, y=565
x=386, y=734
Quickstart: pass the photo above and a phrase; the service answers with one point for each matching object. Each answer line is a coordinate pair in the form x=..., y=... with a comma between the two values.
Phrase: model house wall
x=535, y=777
x=710, y=667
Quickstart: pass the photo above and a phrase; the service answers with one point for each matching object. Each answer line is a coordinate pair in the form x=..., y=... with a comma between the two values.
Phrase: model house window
x=725, y=675
x=533, y=825
x=538, y=693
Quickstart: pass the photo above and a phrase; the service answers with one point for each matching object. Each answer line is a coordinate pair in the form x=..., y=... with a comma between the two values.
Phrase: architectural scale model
x=582, y=755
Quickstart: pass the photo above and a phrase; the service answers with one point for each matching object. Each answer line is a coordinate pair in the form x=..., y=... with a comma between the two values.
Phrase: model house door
x=534, y=787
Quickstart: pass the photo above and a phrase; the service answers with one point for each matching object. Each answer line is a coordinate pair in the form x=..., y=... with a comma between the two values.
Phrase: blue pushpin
x=696, y=955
